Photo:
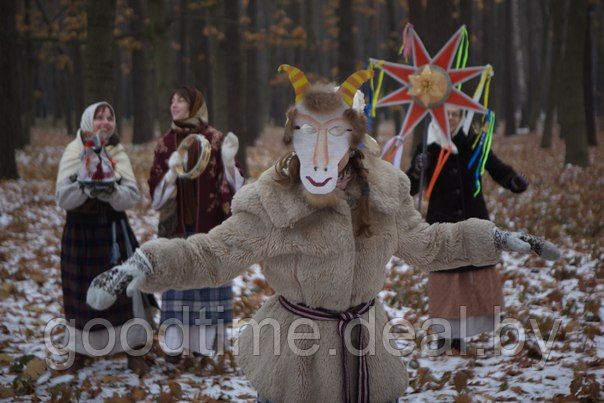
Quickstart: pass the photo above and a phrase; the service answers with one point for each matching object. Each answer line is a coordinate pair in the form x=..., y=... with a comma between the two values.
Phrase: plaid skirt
x=203, y=306
x=89, y=243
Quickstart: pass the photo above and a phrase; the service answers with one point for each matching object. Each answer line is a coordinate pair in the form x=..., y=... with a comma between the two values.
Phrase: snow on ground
x=538, y=295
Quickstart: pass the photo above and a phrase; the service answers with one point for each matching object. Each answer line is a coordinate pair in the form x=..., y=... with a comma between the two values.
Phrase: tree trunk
x=235, y=82
x=183, y=53
x=558, y=11
x=77, y=81
x=543, y=76
x=589, y=81
x=310, y=51
x=29, y=62
x=534, y=67
x=143, y=122
x=199, y=51
x=416, y=16
x=10, y=113
x=163, y=54
x=510, y=88
x=253, y=110
x=572, y=119
x=346, y=57
x=442, y=24
x=99, y=56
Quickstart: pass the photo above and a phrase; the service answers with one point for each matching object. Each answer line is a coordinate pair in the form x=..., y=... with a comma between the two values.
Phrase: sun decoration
x=429, y=84
x=430, y=87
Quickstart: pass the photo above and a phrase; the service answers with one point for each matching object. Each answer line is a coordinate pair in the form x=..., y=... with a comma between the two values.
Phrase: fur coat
x=313, y=257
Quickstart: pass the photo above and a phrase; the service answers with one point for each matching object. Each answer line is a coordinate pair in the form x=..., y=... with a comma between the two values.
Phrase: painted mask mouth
x=318, y=184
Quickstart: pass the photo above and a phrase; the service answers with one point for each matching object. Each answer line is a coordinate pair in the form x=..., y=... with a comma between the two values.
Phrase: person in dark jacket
x=453, y=199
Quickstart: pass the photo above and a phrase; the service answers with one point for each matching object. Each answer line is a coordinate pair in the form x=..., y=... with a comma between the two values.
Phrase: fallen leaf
x=6, y=391
x=5, y=359
x=460, y=380
x=35, y=368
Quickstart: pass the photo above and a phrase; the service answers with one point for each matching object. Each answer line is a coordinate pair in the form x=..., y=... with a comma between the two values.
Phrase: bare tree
x=572, y=106
x=558, y=12
x=510, y=64
x=588, y=81
x=253, y=109
x=9, y=95
x=160, y=19
x=142, y=76
x=346, y=52
x=99, y=56
x=234, y=70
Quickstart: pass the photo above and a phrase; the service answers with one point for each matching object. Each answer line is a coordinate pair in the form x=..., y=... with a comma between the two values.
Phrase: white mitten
x=107, y=286
x=172, y=163
x=174, y=160
x=230, y=146
x=523, y=242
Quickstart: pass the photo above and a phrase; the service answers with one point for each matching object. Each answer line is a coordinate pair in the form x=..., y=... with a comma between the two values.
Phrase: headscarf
x=198, y=112
x=72, y=157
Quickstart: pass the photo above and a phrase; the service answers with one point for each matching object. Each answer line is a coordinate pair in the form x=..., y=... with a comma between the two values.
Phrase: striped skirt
x=88, y=244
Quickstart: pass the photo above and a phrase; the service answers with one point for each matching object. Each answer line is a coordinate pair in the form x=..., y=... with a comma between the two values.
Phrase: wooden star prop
x=429, y=84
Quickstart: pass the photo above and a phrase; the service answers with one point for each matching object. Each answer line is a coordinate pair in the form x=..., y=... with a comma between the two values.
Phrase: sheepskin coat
x=311, y=256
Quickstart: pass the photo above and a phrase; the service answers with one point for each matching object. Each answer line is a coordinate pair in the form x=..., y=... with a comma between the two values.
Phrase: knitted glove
x=421, y=162
x=230, y=146
x=518, y=184
x=106, y=287
x=101, y=192
x=105, y=194
x=172, y=163
x=523, y=242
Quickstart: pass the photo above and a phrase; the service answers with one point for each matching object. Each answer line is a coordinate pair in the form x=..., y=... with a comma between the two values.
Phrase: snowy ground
x=564, y=204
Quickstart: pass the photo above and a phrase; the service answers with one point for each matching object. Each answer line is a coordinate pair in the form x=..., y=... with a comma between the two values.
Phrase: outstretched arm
x=201, y=260
x=444, y=246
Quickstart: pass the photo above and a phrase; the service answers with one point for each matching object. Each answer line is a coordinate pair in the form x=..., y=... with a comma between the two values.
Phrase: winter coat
x=311, y=256
x=452, y=198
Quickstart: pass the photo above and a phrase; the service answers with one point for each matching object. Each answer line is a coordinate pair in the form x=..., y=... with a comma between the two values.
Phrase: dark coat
x=452, y=198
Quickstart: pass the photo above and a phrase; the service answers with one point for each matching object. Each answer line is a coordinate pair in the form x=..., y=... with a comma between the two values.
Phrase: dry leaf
x=175, y=390
x=460, y=379
x=110, y=379
x=5, y=359
x=35, y=368
x=138, y=393
x=6, y=391
x=463, y=398
x=118, y=399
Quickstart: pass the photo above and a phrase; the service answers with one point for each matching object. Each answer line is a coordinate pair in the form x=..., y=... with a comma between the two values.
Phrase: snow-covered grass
x=562, y=203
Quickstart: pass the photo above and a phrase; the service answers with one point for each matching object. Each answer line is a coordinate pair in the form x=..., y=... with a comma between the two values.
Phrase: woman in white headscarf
x=95, y=185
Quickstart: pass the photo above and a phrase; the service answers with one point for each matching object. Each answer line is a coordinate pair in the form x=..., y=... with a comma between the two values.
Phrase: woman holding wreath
x=189, y=205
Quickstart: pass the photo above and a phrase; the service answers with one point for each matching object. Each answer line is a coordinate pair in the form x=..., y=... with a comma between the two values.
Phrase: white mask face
x=320, y=141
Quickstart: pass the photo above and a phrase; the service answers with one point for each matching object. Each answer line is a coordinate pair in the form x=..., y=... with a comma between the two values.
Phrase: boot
x=173, y=359
x=79, y=362
x=138, y=365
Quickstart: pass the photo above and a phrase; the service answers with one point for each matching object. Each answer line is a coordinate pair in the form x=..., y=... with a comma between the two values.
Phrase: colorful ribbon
x=482, y=148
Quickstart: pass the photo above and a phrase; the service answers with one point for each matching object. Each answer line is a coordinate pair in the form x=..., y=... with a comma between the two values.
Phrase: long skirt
x=92, y=244
x=204, y=313
x=478, y=289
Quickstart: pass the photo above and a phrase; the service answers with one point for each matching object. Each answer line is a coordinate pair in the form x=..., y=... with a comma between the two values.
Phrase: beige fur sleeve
x=212, y=259
x=442, y=246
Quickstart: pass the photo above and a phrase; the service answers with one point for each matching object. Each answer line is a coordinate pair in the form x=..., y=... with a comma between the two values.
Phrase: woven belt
x=343, y=319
